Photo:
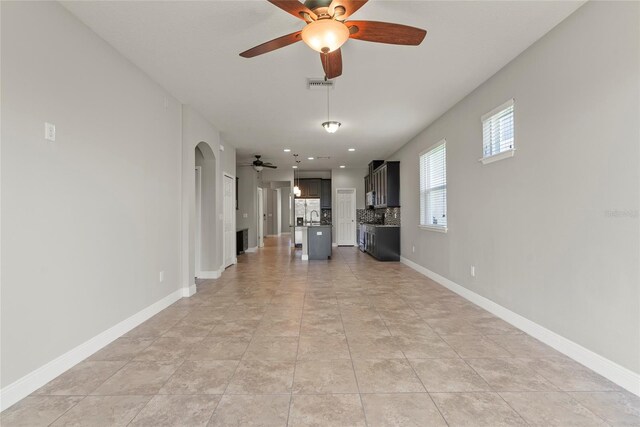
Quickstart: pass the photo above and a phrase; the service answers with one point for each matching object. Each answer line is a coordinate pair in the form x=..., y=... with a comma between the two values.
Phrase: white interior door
x=198, y=220
x=346, y=216
x=229, y=221
x=260, y=218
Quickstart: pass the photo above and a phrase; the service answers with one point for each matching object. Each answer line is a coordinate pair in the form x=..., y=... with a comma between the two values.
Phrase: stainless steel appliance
x=370, y=199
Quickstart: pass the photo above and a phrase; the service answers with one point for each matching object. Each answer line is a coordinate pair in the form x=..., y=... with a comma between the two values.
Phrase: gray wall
x=285, y=208
x=88, y=221
x=205, y=158
x=347, y=178
x=537, y=226
x=247, y=197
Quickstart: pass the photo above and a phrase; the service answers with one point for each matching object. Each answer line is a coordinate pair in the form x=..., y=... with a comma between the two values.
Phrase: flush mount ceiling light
x=294, y=166
x=287, y=150
x=352, y=149
x=342, y=166
x=309, y=158
x=330, y=126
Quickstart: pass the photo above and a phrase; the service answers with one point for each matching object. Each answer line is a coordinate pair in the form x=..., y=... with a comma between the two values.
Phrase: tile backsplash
x=325, y=216
x=386, y=216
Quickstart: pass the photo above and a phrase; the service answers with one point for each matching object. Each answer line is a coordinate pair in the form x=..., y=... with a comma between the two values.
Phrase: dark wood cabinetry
x=242, y=241
x=316, y=188
x=310, y=187
x=380, y=241
x=325, y=194
x=384, y=181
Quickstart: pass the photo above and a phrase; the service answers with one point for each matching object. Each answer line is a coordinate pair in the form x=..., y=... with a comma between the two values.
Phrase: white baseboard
x=335, y=245
x=187, y=292
x=208, y=274
x=252, y=250
x=34, y=380
x=618, y=374
x=272, y=235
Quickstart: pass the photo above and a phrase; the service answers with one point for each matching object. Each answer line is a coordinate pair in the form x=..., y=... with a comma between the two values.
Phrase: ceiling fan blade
x=269, y=165
x=272, y=45
x=295, y=8
x=332, y=63
x=349, y=6
x=385, y=32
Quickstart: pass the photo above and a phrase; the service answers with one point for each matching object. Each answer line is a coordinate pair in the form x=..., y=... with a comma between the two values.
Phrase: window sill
x=504, y=155
x=436, y=228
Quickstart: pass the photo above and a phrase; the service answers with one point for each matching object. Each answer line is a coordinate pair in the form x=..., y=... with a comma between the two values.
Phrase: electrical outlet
x=244, y=215
x=50, y=131
x=472, y=271
x=161, y=276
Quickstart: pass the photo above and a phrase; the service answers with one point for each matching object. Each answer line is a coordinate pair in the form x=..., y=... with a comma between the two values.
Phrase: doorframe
x=226, y=175
x=260, y=219
x=198, y=207
x=353, y=215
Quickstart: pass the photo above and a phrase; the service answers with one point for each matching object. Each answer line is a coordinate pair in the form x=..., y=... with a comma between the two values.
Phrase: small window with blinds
x=498, y=136
x=433, y=187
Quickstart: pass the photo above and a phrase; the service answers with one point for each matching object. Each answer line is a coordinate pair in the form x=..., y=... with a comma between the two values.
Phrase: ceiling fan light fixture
x=325, y=35
x=258, y=168
x=331, y=126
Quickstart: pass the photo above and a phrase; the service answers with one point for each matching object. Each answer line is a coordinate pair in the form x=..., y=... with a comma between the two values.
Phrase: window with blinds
x=433, y=187
x=498, y=131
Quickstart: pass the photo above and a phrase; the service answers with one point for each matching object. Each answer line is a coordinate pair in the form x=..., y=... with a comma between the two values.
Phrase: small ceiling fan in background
x=258, y=164
x=327, y=30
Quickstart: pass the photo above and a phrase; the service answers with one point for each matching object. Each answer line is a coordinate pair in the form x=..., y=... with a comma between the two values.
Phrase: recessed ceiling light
x=342, y=166
x=352, y=149
x=287, y=150
x=294, y=166
x=309, y=158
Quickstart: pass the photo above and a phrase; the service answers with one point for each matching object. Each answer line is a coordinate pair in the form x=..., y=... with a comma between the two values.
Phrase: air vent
x=315, y=84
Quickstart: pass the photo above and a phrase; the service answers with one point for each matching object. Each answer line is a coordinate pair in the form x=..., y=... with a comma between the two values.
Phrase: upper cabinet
x=384, y=181
x=325, y=194
x=316, y=188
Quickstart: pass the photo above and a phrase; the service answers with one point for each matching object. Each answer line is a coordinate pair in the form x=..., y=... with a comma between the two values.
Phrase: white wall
x=209, y=211
x=88, y=221
x=195, y=130
x=347, y=178
x=536, y=225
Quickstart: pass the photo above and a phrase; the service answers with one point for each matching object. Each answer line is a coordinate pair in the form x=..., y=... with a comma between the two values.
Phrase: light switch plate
x=49, y=131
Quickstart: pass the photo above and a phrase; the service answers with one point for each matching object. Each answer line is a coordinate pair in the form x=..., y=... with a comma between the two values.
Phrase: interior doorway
x=346, y=216
x=260, y=218
x=207, y=260
x=198, y=236
x=229, y=221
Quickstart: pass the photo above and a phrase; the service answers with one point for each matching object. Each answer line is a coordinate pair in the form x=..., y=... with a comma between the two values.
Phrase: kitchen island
x=316, y=241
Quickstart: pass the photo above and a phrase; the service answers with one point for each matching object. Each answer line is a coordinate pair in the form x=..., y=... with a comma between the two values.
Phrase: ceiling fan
x=258, y=164
x=327, y=30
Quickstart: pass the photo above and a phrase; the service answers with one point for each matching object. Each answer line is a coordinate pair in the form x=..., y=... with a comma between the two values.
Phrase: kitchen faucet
x=311, y=215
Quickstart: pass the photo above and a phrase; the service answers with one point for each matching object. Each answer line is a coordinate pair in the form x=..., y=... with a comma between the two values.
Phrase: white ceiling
x=386, y=95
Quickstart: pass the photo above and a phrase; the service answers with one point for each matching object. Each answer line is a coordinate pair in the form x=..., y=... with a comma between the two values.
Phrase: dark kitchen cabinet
x=380, y=241
x=311, y=187
x=325, y=194
x=386, y=185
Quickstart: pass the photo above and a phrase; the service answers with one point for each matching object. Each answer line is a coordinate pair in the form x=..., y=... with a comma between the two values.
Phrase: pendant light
x=296, y=188
x=330, y=126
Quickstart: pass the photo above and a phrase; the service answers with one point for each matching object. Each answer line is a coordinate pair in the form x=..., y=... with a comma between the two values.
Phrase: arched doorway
x=205, y=241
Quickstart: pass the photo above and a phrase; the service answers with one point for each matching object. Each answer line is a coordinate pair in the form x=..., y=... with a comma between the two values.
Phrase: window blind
x=498, y=130
x=433, y=186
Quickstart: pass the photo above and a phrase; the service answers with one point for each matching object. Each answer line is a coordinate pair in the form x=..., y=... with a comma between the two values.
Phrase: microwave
x=370, y=199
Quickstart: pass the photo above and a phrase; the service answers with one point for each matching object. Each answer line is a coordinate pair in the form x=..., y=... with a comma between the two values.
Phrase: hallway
x=348, y=342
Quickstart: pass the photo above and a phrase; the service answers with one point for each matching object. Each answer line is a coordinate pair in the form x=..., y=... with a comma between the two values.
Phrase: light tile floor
x=348, y=342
